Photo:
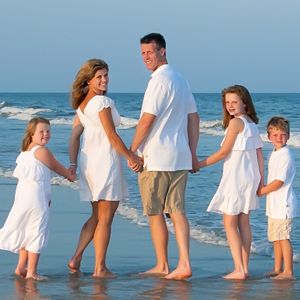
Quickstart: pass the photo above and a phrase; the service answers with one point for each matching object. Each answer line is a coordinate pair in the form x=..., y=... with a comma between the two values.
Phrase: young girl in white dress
x=241, y=150
x=26, y=228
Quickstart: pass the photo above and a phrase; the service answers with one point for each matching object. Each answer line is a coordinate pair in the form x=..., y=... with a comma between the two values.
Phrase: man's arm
x=142, y=130
x=193, y=135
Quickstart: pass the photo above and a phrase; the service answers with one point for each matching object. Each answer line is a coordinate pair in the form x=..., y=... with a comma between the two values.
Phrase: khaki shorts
x=162, y=191
x=279, y=229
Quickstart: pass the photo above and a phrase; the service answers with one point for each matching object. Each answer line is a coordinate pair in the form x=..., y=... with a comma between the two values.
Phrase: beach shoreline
x=129, y=253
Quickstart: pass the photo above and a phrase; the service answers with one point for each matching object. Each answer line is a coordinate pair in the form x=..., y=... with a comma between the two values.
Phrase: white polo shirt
x=282, y=204
x=169, y=98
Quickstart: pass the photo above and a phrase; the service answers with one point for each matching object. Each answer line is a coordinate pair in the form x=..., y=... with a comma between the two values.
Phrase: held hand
x=259, y=191
x=72, y=169
x=135, y=163
x=195, y=164
x=72, y=174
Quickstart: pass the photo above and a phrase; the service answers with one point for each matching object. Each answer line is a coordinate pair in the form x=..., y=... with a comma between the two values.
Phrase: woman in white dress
x=100, y=172
x=241, y=150
x=26, y=228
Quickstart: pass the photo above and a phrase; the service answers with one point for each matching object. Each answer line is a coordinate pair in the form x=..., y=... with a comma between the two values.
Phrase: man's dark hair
x=154, y=37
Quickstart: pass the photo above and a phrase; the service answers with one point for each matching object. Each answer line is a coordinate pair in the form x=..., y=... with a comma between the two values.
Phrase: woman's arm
x=74, y=143
x=115, y=140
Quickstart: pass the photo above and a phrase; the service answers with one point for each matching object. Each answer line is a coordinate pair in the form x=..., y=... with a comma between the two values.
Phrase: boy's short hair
x=279, y=123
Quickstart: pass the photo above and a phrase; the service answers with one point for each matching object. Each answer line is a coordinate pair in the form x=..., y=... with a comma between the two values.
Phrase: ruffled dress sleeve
x=103, y=102
x=248, y=139
x=28, y=167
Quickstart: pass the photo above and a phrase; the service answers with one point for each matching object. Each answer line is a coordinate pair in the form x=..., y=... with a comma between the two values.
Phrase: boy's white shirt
x=282, y=204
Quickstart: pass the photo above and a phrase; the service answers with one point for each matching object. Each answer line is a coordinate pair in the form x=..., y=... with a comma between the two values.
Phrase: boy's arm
x=271, y=187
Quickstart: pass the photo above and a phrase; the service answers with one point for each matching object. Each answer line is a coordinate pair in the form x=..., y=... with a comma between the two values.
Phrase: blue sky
x=213, y=43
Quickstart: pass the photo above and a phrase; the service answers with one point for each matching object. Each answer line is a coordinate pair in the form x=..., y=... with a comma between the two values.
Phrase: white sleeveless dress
x=27, y=223
x=100, y=168
x=237, y=190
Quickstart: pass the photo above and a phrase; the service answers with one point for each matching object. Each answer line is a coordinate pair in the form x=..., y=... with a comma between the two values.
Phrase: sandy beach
x=130, y=252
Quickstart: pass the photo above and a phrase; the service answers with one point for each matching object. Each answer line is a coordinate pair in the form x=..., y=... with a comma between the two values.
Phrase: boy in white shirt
x=281, y=199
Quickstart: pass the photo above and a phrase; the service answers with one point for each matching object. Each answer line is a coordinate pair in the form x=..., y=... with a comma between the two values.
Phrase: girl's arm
x=74, y=143
x=271, y=187
x=115, y=140
x=47, y=158
x=234, y=128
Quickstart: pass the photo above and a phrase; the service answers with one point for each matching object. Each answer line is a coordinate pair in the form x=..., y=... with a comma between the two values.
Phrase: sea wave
x=21, y=113
x=198, y=233
x=209, y=127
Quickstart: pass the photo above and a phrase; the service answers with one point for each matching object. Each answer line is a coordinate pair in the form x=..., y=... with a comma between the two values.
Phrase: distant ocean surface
x=17, y=108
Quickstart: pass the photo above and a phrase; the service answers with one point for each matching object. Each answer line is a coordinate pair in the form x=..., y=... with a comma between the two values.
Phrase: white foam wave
x=127, y=123
x=62, y=121
x=212, y=127
x=6, y=173
x=21, y=113
x=132, y=214
x=204, y=236
x=2, y=104
x=56, y=180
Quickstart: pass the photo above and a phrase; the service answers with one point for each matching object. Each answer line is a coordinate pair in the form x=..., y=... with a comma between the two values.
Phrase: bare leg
x=287, y=253
x=106, y=212
x=277, y=260
x=160, y=237
x=86, y=236
x=182, y=233
x=33, y=259
x=21, y=268
x=246, y=238
x=235, y=244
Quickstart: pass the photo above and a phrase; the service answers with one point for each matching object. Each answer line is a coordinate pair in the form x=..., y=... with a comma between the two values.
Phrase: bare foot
x=37, y=277
x=271, y=274
x=104, y=274
x=284, y=276
x=235, y=275
x=74, y=266
x=156, y=271
x=180, y=273
x=21, y=273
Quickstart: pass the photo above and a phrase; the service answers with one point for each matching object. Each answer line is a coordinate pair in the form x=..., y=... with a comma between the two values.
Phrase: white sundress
x=237, y=190
x=27, y=223
x=100, y=168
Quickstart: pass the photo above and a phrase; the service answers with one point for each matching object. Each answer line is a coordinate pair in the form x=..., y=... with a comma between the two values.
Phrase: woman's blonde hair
x=245, y=96
x=30, y=130
x=80, y=85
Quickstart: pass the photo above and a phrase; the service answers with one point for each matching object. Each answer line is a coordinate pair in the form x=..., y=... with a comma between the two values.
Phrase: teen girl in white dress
x=241, y=150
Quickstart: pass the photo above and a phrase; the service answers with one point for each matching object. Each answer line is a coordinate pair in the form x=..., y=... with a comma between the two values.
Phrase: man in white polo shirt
x=167, y=135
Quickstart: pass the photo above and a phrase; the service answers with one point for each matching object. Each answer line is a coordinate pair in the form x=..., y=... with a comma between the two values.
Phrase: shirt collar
x=159, y=70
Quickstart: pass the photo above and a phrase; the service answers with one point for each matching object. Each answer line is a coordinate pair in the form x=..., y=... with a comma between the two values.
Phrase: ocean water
x=17, y=108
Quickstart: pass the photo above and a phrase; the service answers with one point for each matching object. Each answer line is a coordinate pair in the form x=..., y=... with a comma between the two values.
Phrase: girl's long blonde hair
x=80, y=85
x=245, y=96
x=30, y=130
